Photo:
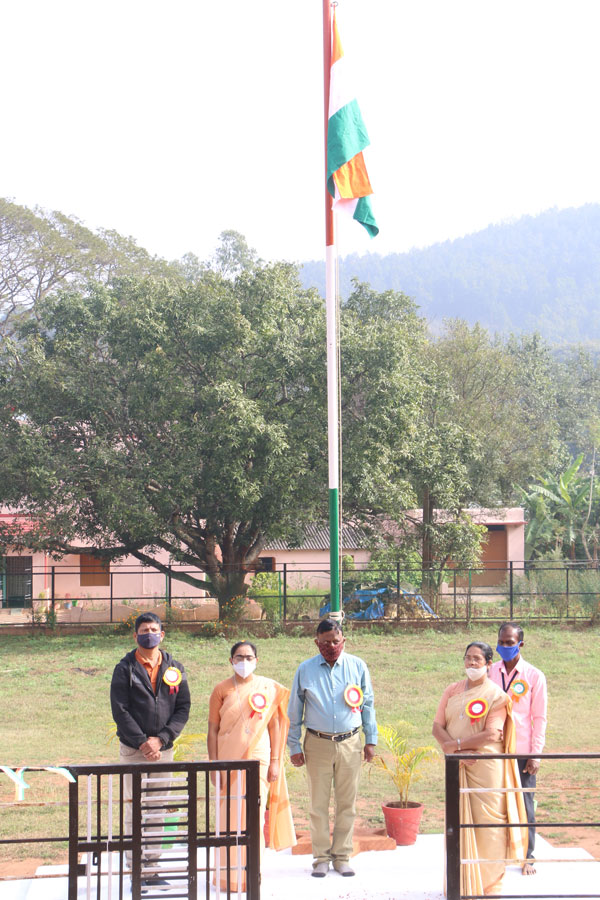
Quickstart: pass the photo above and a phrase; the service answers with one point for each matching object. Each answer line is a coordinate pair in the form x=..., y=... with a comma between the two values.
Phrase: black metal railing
x=177, y=814
x=454, y=826
x=295, y=592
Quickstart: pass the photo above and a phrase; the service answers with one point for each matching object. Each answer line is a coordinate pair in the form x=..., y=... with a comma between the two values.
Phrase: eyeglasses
x=238, y=658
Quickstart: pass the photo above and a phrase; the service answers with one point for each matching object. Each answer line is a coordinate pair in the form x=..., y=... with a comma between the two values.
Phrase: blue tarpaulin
x=371, y=603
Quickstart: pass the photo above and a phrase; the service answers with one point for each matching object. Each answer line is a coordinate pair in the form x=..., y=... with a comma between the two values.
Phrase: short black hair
x=239, y=644
x=487, y=651
x=147, y=617
x=329, y=625
x=514, y=625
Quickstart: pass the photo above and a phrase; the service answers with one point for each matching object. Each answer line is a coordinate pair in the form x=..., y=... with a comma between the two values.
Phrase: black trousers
x=528, y=781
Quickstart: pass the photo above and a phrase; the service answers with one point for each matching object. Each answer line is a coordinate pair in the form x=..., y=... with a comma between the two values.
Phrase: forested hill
x=539, y=273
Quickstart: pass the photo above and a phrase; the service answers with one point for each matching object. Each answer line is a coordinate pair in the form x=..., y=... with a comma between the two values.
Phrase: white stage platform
x=406, y=873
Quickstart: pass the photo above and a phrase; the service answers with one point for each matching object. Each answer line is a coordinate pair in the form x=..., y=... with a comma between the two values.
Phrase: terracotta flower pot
x=402, y=823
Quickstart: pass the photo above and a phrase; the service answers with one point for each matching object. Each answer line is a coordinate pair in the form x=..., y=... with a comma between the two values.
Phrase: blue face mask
x=508, y=653
x=149, y=640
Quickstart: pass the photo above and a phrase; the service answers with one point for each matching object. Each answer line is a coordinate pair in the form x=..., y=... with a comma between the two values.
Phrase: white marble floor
x=406, y=873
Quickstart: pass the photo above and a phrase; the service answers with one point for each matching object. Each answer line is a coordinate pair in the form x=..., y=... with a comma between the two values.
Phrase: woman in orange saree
x=475, y=716
x=247, y=719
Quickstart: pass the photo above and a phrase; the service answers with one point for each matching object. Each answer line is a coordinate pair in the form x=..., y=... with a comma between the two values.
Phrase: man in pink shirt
x=527, y=689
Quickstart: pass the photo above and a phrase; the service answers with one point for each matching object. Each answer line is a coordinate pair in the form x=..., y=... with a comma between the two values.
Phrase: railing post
x=452, y=828
x=285, y=592
x=73, y=837
x=567, y=587
x=511, y=617
x=397, y=584
x=111, y=597
x=253, y=828
x=53, y=584
x=169, y=588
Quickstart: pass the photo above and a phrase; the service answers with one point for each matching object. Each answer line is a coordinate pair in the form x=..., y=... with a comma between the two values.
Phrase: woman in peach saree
x=475, y=716
x=247, y=719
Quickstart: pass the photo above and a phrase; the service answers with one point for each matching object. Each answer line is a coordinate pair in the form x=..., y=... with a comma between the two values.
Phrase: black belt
x=333, y=737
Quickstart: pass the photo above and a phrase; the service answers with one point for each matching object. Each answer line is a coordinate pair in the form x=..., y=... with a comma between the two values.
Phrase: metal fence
x=180, y=826
x=454, y=826
x=296, y=592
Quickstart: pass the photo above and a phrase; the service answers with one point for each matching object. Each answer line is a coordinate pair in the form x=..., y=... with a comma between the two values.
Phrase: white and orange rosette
x=477, y=708
x=173, y=678
x=353, y=696
x=518, y=689
x=258, y=703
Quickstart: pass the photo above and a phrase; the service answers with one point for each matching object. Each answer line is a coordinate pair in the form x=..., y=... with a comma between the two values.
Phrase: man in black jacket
x=150, y=701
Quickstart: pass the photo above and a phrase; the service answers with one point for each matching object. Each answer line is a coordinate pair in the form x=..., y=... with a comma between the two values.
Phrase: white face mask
x=476, y=674
x=244, y=668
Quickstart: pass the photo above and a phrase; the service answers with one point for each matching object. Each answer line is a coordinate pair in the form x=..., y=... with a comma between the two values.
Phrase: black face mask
x=148, y=640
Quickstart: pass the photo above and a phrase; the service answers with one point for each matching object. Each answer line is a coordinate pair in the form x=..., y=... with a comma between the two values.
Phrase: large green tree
x=190, y=418
x=503, y=393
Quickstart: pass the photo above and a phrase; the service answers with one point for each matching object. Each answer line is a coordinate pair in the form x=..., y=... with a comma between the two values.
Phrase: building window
x=94, y=572
x=266, y=564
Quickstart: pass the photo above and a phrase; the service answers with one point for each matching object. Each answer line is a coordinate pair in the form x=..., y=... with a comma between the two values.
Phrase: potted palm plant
x=401, y=764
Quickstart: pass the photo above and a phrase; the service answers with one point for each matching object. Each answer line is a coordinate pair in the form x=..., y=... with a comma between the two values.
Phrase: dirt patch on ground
x=24, y=868
x=579, y=837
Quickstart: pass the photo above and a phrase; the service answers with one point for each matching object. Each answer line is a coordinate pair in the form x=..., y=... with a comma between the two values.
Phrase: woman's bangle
x=274, y=759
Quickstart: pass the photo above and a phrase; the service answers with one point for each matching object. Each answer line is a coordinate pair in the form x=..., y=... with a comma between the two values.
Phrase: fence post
x=567, y=578
x=397, y=584
x=285, y=592
x=452, y=829
x=52, y=583
x=111, y=597
x=279, y=594
x=511, y=617
x=455, y=593
x=169, y=587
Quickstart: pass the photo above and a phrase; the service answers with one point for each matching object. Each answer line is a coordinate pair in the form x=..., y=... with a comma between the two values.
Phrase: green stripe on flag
x=346, y=136
x=364, y=214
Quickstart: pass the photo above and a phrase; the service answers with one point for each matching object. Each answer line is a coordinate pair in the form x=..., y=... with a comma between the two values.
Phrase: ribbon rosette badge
x=519, y=689
x=258, y=704
x=172, y=677
x=353, y=696
x=477, y=708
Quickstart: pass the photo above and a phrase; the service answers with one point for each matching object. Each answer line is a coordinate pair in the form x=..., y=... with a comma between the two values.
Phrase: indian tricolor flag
x=347, y=179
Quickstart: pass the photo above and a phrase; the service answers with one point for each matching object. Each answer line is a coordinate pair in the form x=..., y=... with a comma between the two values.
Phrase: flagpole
x=331, y=306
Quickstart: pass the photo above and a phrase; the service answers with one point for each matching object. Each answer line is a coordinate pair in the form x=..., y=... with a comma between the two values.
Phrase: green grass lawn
x=56, y=710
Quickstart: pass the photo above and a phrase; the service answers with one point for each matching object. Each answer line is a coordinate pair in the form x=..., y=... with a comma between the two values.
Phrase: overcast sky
x=173, y=121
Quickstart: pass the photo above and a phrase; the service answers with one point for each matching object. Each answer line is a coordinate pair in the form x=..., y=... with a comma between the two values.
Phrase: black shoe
x=155, y=883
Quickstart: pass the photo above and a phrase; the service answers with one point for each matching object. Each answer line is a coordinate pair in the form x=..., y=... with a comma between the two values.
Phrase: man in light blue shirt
x=332, y=694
